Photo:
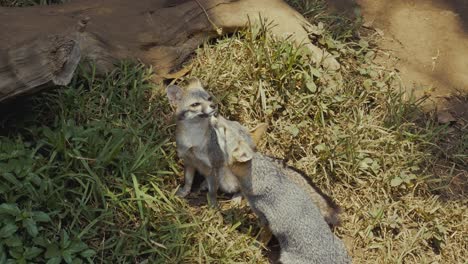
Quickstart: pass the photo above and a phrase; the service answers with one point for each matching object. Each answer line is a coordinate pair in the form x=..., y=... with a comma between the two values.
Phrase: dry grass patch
x=355, y=134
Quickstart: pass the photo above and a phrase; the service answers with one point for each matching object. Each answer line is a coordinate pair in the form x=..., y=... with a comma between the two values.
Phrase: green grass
x=88, y=171
x=96, y=161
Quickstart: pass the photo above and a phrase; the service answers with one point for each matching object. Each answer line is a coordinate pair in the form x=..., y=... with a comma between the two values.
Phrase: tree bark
x=40, y=45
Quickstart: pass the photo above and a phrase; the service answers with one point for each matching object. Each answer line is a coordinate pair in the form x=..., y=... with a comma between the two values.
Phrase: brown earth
x=430, y=40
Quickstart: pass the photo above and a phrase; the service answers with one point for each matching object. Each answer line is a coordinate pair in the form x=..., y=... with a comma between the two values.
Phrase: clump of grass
x=341, y=23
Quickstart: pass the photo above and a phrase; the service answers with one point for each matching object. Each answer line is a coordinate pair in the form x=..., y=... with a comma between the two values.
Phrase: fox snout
x=209, y=110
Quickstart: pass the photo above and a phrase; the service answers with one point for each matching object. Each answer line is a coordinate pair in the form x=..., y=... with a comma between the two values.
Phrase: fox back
x=281, y=204
x=328, y=208
x=291, y=214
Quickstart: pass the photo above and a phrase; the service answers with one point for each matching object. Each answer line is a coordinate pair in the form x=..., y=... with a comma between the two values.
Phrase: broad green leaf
x=8, y=230
x=41, y=217
x=34, y=178
x=31, y=253
x=409, y=177
x=293, y=130
x=315, y=72
x=17, y=252
x=320, y=147
x=363, y=43
x=65, y=241
x=12, y=179
x=88, y=253
x=330, y=43
x=30, y=226
x=77, y=246
x=40, y=241
x=9, y=209
x=67, y=256
x=77, y=261
x=13, y=241
x=55, y=260
x=367, y=84
x=311, y=85
x=397, y=181
x=52, y=251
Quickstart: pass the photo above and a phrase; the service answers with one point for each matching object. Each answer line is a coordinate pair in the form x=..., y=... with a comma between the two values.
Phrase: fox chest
x=195, y=154
x=197, y=145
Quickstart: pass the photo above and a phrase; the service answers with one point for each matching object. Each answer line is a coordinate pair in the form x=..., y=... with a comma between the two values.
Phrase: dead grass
x=356, y=135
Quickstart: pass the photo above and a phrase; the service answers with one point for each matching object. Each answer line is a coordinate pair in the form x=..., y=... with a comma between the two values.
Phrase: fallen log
x=44, y=44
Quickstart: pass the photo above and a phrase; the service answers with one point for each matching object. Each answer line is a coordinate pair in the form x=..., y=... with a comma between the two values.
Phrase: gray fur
x=225, y=128
x=291, y=215
x=196, y=141
x=281, y=203
x=327, y=207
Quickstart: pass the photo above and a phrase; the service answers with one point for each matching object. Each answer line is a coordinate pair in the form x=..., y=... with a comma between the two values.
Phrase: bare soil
x=430, y=40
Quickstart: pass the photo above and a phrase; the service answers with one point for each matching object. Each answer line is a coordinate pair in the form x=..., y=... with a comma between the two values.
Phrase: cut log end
x=32, y=64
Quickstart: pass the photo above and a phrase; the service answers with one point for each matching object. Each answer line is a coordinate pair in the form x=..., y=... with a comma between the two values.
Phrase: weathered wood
x=44, y=44
x=25, y=68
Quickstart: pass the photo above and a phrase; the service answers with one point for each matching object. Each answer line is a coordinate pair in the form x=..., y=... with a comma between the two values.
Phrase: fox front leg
x=212, y=182
x=189, y=174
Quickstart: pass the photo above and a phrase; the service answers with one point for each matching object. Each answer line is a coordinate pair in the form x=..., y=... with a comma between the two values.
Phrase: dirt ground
x=430, y=40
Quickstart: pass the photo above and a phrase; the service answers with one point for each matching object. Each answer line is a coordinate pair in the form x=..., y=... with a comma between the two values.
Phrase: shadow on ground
x=429, y=40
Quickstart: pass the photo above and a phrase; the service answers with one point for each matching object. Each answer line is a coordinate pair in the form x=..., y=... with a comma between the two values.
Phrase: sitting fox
x=281, y=204
x=197, y=145
x=196, y=140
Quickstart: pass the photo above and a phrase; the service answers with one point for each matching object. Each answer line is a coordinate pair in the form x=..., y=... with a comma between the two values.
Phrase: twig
x=217, y=29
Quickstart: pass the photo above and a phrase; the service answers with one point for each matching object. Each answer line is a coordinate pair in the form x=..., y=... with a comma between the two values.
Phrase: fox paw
x=236, y=199
x=182, y=192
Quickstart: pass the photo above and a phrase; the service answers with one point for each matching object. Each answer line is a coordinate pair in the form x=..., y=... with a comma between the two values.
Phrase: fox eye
x=210, y=98
x=195, y=104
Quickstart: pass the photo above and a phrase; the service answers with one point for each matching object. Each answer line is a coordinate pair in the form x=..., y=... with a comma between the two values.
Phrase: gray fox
x=281, y=204
x=196, y=140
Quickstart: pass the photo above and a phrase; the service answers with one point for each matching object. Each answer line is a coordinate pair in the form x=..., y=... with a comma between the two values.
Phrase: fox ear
x=174, y=94
x=194, y=83
x=242, y=152
x=258, y=132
